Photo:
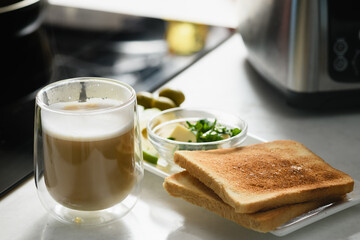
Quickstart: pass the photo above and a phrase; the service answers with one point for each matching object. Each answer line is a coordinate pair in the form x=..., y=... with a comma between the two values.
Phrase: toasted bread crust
x=185, y=186
x=265, y=175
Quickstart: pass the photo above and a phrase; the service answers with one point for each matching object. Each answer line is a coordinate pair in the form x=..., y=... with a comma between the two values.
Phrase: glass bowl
x=166, y=147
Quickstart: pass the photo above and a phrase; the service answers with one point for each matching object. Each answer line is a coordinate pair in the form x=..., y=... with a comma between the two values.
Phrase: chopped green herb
x=171, y=138
x=207, y=131
x=235, y=131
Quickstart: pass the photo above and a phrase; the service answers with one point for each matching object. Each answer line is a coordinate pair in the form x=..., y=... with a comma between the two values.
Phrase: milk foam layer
x=84, y=126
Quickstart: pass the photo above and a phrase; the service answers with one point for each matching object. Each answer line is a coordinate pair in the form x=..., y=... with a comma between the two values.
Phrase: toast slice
x=265, y=175
x=185, y=186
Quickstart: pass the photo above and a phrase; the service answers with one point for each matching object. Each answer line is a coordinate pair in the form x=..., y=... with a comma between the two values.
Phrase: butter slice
x=182, y=134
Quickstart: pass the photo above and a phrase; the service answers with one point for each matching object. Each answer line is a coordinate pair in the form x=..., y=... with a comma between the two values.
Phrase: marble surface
x=222, y=80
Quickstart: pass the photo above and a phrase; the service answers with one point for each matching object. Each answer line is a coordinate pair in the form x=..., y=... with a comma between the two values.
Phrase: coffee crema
x=89, y=160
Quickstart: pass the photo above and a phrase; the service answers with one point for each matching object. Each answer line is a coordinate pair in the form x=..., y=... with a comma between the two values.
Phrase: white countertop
x=222, y=80
x=211, y=12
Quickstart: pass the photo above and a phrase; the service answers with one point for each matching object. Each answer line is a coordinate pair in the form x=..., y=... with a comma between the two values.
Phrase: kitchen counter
x=222, y=80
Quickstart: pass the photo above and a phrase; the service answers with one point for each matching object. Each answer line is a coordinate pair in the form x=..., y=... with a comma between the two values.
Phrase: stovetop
x=137, y=55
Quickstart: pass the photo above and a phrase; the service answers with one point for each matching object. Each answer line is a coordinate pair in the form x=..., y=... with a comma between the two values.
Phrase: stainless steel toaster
x=309, y=49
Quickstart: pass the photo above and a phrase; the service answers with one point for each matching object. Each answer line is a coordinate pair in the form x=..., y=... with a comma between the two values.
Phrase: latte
x=89, y=160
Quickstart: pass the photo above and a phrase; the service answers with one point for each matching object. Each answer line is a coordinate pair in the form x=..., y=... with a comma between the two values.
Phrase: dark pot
x=25, y=64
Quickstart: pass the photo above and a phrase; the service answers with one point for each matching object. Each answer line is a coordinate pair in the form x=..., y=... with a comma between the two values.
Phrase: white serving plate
x=353, y=198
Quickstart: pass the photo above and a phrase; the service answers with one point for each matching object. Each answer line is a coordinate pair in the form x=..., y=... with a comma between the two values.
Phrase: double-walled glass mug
x=87, y=150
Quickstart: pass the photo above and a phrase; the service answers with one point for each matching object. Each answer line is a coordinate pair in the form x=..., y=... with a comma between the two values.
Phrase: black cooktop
x=137, y=55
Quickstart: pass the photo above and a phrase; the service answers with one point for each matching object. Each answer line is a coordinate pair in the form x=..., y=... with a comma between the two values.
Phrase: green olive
x=163, y=103
x=144, y=99
x=176, y=95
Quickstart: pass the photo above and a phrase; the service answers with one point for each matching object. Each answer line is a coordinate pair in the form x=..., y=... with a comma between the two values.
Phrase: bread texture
x=185, y=186
x=266, y=175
